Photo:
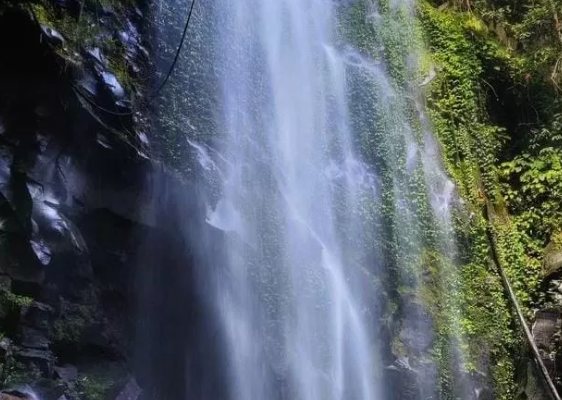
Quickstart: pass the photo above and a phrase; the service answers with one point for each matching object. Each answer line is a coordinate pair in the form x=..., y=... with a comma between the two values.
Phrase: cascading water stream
x=291, y=201
x=324, y=188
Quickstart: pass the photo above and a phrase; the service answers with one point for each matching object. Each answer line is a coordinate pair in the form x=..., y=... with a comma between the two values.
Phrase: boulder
x=417, y=332
x=112, y=84
x=552, y=261
x=37, y=315
x=67, y=374
x=54, y=37
x=36, y=360
x=33, y=339
x=42, y=251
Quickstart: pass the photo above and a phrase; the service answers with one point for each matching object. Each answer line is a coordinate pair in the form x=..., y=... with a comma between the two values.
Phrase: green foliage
x=86, y=32
x=466, y=55
x=533, y=188
x=90, y=387
x=12, y=301
x=390, y=35
x=519, y=49
x=482, y=51
x=74, y=319
x=531, y=28
x=532, y=185
x=466, y=304
x=16, y=373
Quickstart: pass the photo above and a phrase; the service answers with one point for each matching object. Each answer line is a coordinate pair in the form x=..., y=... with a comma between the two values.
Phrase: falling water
x=323, y=187
x=291, y=203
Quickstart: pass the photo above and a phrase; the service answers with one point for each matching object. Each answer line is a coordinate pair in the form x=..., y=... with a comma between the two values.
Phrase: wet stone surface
x=58, y=282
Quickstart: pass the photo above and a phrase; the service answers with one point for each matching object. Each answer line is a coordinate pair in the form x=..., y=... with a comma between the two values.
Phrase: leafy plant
x=533, y=189
x=13, y=301
x=92, y=388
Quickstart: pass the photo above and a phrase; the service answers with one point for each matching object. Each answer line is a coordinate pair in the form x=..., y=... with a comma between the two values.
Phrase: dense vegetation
x=496, y=109
x=492, y=81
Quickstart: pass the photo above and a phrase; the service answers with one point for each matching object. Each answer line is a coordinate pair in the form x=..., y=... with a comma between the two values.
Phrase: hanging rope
x=513, y=298
x=176, y=58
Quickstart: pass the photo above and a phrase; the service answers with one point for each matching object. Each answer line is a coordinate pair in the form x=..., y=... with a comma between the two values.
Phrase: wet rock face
x=71, y=208
x=547, y=324
x=85, y=218
x=405, y=380
x=547, y=330
x=417, y=329
x=411, y=379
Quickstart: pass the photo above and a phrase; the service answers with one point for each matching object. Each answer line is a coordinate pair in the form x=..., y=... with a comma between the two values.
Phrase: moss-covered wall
x=454, y=282
x=479, y=102
x=469, y=145
x=479, y=73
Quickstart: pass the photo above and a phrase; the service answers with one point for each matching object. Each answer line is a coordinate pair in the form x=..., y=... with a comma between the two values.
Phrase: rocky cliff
x=74, y=168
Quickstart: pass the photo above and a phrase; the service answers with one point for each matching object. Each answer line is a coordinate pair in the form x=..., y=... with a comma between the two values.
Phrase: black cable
x=171, y=70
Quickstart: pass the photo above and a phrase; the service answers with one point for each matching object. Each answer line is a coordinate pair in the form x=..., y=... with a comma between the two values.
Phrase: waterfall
x=291, y=204
x=322, y=173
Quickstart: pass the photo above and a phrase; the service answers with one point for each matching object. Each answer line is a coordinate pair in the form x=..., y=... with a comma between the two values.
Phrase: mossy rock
x=552, y=262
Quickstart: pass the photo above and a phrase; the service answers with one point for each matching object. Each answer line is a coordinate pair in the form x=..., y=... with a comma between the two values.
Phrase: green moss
x=463, y=293
x=465, y=310
x=119, y=66
x=86, y=32
x=92, y=387
x=398, y=348
x=472, y=144
x=76, y=33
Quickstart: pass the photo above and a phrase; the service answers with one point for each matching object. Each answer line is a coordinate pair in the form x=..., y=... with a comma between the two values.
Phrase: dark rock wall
x=96, y=257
